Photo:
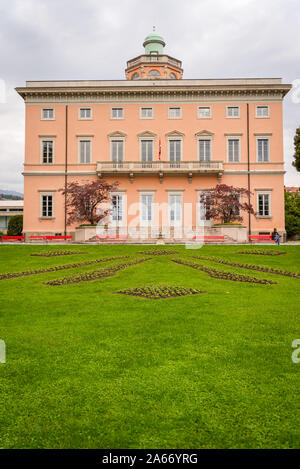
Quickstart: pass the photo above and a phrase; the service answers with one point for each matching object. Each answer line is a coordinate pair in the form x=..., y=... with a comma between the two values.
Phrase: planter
x=235, y=233
x=84, y=233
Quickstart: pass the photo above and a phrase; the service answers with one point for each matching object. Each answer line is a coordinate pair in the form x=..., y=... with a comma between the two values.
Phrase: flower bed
x=7, y=276
x=160, y=292
x=56, y=253
x=268, y=270
x=95, y=275
x=263, y=253
x=157, y=252
x=221, y=275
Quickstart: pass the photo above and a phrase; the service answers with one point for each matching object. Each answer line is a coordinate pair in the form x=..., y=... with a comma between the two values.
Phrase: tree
x=292, y=213
x=83, y=200
x=225, y=203
x=15, y=225
x=296, y=163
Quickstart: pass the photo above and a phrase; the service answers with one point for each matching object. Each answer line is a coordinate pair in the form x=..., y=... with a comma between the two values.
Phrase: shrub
x=15, y=225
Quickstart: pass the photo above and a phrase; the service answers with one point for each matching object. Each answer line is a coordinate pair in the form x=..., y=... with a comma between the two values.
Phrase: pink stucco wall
x=41, y=177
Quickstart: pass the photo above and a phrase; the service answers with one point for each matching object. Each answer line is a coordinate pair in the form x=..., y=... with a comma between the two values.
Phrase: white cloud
x=82, y=39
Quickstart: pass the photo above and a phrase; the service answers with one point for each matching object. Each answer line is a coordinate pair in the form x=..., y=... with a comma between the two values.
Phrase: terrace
x=160, y=168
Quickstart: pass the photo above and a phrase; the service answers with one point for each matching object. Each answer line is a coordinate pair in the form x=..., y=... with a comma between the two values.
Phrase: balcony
x=142, y=59
x=160, y=168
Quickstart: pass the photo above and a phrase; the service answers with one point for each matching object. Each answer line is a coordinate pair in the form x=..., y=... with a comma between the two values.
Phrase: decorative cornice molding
x=146, y=133
x=117, y=133
x=175, y=133
x=152, y=92
x=204, y=133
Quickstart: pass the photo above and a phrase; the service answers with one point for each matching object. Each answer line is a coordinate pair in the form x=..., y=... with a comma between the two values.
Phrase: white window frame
x=233, y=137
x=233, y=117
x=263, y=192
x=47, y=139
x=178, y=139
x=47, y=118
x=85, y=118
x=146, y=107
x=175, y=223
x=116, y=139
x=263, y=137
x=149, y=139
x=123, y=221
x=170, y=108
x=262, y=106
x=204, y=117
x=85, y=139
x=204, y=137
x=200, y=210
x=145, y=223
x=115, y=108
x=46, y=194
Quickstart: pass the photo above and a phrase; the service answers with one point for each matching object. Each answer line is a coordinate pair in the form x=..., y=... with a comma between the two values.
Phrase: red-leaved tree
x=83, y=200
x=225, y=203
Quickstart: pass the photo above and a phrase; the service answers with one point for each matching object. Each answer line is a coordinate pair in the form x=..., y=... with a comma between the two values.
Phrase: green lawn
x=89, y=368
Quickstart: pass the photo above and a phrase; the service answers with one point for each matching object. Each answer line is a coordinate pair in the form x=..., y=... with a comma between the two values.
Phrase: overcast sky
x=93, y=39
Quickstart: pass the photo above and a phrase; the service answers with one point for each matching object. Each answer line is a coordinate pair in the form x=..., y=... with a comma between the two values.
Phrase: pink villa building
x=165, y=139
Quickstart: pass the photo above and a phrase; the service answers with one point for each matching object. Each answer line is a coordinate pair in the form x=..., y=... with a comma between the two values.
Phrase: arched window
x=172, y=76
x=134, y=76
x=154, y=73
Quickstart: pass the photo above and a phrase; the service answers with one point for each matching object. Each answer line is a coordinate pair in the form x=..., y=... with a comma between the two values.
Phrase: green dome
x=154, y=43
x=154, y=37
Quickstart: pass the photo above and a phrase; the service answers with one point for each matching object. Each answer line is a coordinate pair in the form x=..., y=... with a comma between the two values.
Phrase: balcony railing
x=160, y=166
x=154, y=58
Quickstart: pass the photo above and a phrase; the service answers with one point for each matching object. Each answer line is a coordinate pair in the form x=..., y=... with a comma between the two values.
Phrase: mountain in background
x=10, y=195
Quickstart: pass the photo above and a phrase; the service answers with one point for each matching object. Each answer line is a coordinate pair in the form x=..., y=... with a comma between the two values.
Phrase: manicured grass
x=88, y=368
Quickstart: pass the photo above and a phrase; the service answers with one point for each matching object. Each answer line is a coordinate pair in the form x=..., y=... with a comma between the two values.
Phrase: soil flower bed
x=263, y=253
x=160, y=292
x=219, y=274
x=95, y=275
x=268, y=270
x=7, y=276
x=56, y=253
x=157, y=252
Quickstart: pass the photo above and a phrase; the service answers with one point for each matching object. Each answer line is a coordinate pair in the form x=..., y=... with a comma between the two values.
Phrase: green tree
x=292, y=213
x=15, y=225
x=296, y=163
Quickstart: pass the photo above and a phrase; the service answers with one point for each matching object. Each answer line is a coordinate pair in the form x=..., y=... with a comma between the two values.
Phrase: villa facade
x=165, y=139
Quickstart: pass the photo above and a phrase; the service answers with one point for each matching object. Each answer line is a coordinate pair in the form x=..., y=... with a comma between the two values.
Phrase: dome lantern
x=154, y=43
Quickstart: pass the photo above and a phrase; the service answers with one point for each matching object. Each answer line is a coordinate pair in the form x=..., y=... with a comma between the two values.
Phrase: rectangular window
x=175, y=210
x=174, y=112
x=146, y=113
x=117, y=113
x=117, y=214
x=146, y=150
x=47, y=205
x=204, y=112
x=233, y=111
x=47, y=151
x=48, y=114
x=264, y=205
x=262, y=150
x=85, y=147
x=175, y=150
x=117, y=150
x=204, y=150
x=146, y=209
x=85, y=113
x=203, y=209
x=262, y=111
x=233, y=150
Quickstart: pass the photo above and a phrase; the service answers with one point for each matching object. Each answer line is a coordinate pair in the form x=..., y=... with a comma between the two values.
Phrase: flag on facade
x=159, y=149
